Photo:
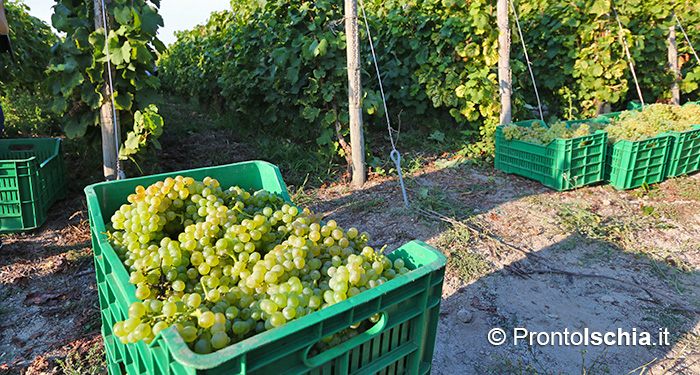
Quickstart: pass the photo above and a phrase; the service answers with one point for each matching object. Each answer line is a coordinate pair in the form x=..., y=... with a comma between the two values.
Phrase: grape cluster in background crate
x=646, y=145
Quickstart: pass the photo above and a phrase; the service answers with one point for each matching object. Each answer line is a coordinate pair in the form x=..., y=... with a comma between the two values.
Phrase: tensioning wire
x=395, y=155
x=527, y=58
x=627, y=51
x=687, y=39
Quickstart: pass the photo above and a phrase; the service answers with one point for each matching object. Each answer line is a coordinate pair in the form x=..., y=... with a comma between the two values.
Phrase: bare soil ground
x=519, y=256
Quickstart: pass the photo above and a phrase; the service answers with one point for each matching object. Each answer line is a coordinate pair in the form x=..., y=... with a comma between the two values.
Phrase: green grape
x=202, y=347
x=178, y=285
x=137, y=310
x=289, y=312
x=194, y=300
x=239, y=327
x=231, y=312
x=207, y=319
x=169, y=309
x=277, y=319
x=219, y=340
x=142, y=331
x=142, y=292
x=118, y=329
x=159, y=327
x=268, y=306
x=130, y=324
x=221, y=265
x=218, y=327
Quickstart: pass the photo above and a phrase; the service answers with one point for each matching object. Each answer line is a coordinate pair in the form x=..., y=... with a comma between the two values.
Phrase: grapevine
x=76, y=71
x=222, y=265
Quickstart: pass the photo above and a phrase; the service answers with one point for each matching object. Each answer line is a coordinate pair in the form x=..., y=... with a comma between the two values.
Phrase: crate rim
x=57, y=149
x=499, y=131
x=90, y=189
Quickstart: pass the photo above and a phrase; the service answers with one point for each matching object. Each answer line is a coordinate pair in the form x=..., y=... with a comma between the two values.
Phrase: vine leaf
x=150, y=20
x=122, y=15
x=123, y=100
x=75, y=128
x=90, y=95
x=310, y=113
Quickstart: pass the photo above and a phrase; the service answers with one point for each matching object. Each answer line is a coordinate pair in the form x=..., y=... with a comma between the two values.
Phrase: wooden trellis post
x=673, y=65
x=108, y=125
x=357, y=141
x=505, y=82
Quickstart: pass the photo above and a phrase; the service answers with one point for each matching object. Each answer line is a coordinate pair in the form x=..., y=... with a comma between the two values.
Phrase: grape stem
x=204, y=287
x=235, y=207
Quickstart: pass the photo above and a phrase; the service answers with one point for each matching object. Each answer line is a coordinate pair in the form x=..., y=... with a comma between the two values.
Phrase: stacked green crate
x=32, y=178
x=633, y=163
x=563, y=164
x=684, y=156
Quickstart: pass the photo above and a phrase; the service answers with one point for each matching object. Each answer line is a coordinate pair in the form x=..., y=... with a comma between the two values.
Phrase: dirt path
x=649, y=239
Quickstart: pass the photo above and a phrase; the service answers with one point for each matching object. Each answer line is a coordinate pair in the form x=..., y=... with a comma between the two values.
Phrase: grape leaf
x=123, y=100
x=74, y=128
x=122, y=14
x=150, y=20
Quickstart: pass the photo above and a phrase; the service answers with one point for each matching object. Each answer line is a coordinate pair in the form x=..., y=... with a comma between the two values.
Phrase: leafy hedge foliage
x=28, y=114
x=578, y=55
x=281, y=65
x=31, y=49
x=76, y=68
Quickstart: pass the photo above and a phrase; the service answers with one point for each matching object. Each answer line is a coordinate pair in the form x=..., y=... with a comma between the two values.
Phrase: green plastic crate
x=401, y=342
x=563, y=164
x=611, y=115
x=634, y=105
x=633, y=163
x=684, y=156
x=32, y=178
x=594, y=120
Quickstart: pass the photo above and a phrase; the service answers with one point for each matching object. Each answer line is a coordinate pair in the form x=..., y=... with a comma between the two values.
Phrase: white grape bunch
x=652, y=120
x=541, y=135
x=223, y=265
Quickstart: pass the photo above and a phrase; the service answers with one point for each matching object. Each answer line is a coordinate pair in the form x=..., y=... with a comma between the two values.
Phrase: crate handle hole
x=651, y=144
x=585, y=143
x=22, y=147
x=339, y=349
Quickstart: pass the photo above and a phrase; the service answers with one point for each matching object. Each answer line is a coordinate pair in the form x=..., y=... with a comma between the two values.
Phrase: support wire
x=527, y=58
x=687, y=39
x=627, y=51
x=395, y=155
